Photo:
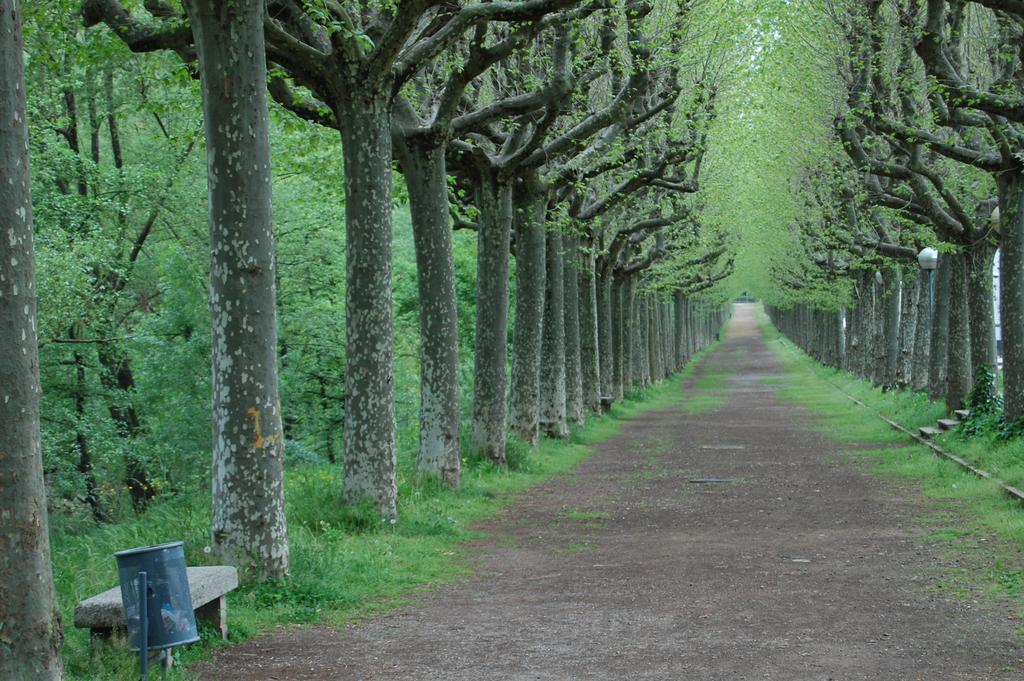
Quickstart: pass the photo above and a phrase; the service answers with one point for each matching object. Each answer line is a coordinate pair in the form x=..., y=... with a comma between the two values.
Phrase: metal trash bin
x=168, y=604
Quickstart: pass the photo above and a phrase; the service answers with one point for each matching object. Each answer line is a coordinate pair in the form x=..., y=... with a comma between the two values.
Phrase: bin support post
x=144, y=625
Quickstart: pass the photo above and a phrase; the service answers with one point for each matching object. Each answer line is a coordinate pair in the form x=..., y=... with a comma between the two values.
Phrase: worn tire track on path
x=806, y=567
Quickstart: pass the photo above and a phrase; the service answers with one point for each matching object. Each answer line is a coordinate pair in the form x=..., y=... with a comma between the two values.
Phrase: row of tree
x=927, y=150
x=567, y=134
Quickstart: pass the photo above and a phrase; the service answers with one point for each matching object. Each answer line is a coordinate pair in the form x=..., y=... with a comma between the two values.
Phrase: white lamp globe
x=928, y=258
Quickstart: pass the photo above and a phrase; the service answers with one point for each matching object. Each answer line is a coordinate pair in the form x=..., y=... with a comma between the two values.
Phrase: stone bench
x=104, y=613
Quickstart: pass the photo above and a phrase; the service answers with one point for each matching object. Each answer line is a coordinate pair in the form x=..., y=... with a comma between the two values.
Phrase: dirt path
x=804, y=568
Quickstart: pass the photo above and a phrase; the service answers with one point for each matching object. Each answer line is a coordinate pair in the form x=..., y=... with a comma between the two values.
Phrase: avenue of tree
x=567, y=134
x=432, y=226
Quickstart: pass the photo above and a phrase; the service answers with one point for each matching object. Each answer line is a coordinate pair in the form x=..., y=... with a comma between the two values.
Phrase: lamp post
x=928, y=259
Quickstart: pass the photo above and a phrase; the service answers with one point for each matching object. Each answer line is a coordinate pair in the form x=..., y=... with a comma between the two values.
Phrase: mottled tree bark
x=631, y=380
x=370, y=455
x=248, y=524
x=1011, y=295
x=422, y=158
x=490, y=377
x=573, y=354
x=911, y=292
x=606, y=320
x=853, y=344
x=891, y=303
x=841, y=338
x=938, y=345
x=591, y=376
x=524, y=412
x=679, y=332
x=31, y=635
x=653, y=327
x=958, y=349
x=620, y=370
x=922, y=332
x=552, y=357
x=981, y=307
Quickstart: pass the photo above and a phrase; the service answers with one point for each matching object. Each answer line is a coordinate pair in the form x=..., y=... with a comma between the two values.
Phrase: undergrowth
x=346, y=562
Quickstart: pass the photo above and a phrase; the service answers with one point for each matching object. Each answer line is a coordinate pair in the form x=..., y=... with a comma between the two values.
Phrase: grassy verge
x=969, y=516
x=710, y=390
x=346, y=563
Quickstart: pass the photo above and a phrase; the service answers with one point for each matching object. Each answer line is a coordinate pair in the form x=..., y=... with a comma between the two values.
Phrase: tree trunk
x=631, y=380
x=422, y=158
x=248, y=524
x=529, y=214
x=365, y=122
x=922, y=332
x=958, y=350
x=573, y=354
x=607, y=310
x=1011, y=296
x=31, y=634
x=490, y=356
x=591, y=376
x=892, y=302
x=853, y=340
x=910, y=292
x=938, y=345
x=653, y=339
x=679, y=332
x=980, y=258
x=841, y=338
x=620, y=368
x=552, y=358
x=642, y=339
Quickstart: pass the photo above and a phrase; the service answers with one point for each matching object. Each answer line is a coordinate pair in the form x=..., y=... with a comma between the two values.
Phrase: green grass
x=967, y=516
x=710, y=390
x=576, y=514
x=346, y=562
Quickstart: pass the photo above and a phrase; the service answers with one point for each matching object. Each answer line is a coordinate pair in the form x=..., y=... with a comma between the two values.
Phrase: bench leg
x=100, y=635
x=216, y=613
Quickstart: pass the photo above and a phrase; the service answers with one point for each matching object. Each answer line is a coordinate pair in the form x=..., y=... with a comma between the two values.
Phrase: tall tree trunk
x=422, y=158
x=911, y=292
x=653, y=339
x=248, y=524
x=112, y=127
x=529, y=214
x=370, y=455
x=938, y=345
x=891, y=302
x=591, y=376
x=631, y=380
x=490, y=375
x=980, y=258
x=679, y=332
x=85, y=463
x=643, y=327
x=607, y=309
x=620, y=364
x=923, y=332
x=1011, y=298
x=958, y=349
x=573, y=354
x=31, y=632
x=841, y=351
x=552, y=358
x=853, y=339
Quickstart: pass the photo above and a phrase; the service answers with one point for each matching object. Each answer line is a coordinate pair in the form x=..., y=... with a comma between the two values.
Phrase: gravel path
x=804, y=567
